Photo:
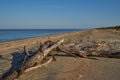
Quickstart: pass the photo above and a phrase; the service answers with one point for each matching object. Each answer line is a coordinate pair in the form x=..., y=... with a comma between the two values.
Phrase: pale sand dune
x=65, y=68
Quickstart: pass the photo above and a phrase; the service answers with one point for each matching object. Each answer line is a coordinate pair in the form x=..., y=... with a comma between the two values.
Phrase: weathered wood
x=40, y=65
x=34, y=60
x=105, y=54
x=40, y=55
x=26, y=51
x=26, y=55
x=72, y=50
x=90, y=51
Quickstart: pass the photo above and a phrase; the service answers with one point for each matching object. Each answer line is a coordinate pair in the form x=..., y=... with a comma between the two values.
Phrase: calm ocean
x=15, y=34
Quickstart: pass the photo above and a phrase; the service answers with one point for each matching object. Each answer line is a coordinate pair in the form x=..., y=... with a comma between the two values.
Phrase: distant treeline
x=111, y=27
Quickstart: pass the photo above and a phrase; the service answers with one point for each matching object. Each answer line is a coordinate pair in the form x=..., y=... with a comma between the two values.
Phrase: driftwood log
x=89, y=51
x=35, y=60
x=72, y=50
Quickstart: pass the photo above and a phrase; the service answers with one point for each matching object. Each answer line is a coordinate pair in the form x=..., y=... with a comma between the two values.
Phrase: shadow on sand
x=17, y=61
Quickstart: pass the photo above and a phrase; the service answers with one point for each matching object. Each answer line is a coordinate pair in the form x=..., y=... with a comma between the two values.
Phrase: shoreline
x=35, y=33
x=51, y=35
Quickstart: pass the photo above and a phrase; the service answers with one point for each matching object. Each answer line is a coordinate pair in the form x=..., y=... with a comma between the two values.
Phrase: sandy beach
x=65, y=68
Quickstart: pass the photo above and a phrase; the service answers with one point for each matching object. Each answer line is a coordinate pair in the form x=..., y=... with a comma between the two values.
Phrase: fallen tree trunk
x=72, y=50
x=76, y=51
x=106, y=54
x=40, y=65
x=35, y=60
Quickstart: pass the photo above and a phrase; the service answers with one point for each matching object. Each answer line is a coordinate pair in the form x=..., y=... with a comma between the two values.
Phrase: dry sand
x=66, y=67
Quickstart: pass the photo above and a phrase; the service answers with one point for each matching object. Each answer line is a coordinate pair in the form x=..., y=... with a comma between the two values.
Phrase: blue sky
x=58, y=14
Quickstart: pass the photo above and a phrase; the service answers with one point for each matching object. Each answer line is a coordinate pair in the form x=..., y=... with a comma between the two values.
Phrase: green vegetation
x=111, y=27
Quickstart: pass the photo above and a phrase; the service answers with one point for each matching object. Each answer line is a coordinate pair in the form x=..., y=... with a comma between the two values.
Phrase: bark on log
x=72, y=50
x=40, y=65
x=106, y=54
x=75, y=51
x=34, y=60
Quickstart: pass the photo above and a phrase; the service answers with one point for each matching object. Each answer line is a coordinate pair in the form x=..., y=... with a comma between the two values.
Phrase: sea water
x=15, y=34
